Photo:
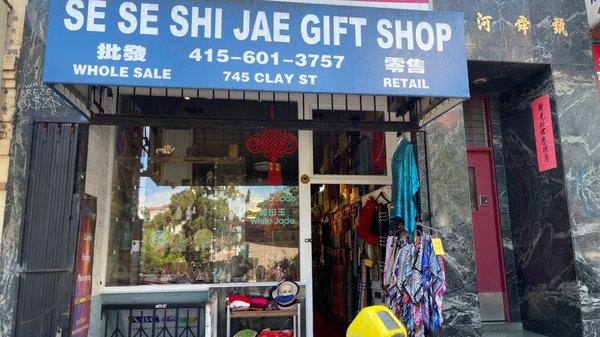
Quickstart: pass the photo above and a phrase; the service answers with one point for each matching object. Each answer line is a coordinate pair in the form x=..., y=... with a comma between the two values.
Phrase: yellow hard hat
x=376, y=321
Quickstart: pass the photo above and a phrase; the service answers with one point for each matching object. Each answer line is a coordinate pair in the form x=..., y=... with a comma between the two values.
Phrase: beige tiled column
x=13, y=37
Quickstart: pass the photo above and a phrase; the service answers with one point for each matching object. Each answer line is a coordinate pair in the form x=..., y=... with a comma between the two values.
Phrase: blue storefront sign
x=257, y=45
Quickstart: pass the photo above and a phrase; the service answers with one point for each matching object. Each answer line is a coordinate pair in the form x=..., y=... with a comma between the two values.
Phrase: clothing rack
x=420, y=149
x=386, y=191
x=343, y=207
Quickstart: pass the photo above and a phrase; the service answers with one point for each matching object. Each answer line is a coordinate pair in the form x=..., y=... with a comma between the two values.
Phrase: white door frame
x=306, y=168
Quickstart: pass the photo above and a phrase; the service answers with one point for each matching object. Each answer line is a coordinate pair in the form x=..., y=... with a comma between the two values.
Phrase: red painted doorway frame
x=488, y=151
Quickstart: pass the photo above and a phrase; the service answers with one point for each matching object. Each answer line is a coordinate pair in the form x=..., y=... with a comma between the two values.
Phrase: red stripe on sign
x=398, y=1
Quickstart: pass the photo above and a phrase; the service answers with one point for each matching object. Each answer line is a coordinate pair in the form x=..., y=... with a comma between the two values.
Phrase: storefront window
x=196, y=205
x=349, y=152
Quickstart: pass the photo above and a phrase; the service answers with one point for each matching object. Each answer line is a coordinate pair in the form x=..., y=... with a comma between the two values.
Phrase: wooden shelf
x=264, y=313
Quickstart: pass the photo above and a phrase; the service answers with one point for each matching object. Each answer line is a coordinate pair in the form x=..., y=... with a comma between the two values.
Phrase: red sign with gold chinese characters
x=596, y=52
x=544, y=134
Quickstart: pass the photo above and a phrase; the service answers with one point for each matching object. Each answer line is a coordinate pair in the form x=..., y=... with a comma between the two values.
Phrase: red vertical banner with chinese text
x=82, y=299
x=544, y=134
x=596, y=52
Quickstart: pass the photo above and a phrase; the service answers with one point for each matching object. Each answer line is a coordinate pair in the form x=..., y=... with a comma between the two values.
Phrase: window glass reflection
x=196, y=206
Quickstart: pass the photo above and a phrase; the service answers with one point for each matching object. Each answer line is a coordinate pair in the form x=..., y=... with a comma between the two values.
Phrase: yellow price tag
x=438, y=247
x=368, y=263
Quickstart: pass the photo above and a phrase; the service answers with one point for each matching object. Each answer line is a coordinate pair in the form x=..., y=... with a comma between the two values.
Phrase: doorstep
x=506, y=330
x=501, y=326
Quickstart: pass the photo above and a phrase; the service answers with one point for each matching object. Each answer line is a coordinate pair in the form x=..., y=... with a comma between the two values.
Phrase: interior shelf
x=264, y=313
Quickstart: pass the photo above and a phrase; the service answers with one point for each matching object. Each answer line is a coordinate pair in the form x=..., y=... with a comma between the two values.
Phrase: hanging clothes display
x=415, y=282
x=378, y=157
x=405, y=185
x=336, y=269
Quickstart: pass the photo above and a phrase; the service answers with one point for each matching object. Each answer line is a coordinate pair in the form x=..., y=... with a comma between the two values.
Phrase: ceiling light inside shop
x=481, y=80
x=187, y=98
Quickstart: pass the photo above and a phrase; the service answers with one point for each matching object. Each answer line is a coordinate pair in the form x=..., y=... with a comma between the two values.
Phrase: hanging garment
x=405, y=177
x=362, y=158
x=367, y=214
x=415, y=284
x=384, y=230
x=378, y=157
x=363, y=289
x=390, y=254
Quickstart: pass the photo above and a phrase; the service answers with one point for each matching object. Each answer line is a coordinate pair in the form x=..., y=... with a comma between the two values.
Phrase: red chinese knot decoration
x=274, y=144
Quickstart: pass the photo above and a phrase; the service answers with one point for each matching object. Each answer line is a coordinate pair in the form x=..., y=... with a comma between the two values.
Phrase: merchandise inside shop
x=270, y=184
x=366, y=254
x=219, y=212
x=192, y=205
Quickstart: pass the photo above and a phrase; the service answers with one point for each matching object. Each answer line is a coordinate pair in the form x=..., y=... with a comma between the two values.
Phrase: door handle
x=483, y=200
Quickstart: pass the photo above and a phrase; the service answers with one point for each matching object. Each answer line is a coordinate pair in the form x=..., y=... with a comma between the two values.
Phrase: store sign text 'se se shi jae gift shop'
x=258, y=45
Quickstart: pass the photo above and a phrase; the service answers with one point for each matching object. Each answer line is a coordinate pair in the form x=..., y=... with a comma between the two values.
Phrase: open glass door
x=318, y=149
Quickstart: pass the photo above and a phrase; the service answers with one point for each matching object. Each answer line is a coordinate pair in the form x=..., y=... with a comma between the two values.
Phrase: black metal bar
x=360, y=102
x=332, y=108
x=177, y=322
x=289, y=104
x=139, y=306
x=198, y=324
x=117, y=101
x=153, y=323
x=228, y=102
x=212, y=107
x=129, y=324
x=322, y=125
x=415, y=141
x=318, y=104
x=303, y=107
x=375, y=104
x=346, y=102
x=427, y=183
x=105, y=323
x=41, y=271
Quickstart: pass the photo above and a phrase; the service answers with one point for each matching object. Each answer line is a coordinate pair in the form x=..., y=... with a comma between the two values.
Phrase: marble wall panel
x=452, y=217
x=548, y=294
x=504, y=211
x=573, y=193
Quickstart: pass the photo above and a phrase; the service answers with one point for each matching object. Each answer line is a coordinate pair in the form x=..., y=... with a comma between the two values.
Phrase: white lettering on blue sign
x=272, y=46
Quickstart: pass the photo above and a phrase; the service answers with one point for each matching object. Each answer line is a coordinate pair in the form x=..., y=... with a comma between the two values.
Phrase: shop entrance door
x=311, y=177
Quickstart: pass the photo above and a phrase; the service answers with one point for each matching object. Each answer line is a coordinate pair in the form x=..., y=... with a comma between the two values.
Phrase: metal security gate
x=49, y=233
x=183, y=320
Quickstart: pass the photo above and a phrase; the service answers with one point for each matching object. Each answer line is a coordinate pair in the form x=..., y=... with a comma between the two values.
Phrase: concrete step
x=502, y=329
x=501, y=326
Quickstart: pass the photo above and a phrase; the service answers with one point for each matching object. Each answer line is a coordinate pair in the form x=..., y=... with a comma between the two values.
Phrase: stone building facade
x=550, y=222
